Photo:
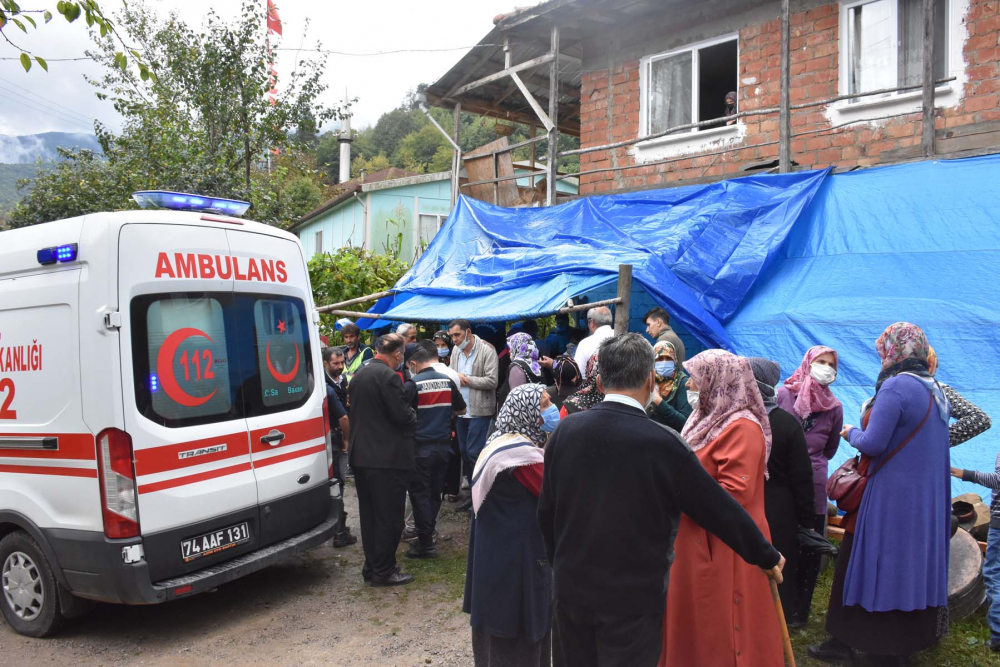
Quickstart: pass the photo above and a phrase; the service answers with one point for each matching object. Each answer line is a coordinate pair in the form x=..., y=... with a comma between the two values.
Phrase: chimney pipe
x=345, y=140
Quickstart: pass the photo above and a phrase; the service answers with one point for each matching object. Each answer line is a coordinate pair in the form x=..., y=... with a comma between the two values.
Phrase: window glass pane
x=670, y=92
x=319, y=242
x=911, y=41
x=428, y=227
x=282, y=351
x=871, y=46
x=184, y=376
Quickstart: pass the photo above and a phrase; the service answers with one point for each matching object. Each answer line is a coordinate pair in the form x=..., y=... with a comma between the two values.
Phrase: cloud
x=21, y=149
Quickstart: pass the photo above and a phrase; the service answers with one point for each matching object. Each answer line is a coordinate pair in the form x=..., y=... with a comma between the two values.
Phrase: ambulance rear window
x=282, y=351
x=185, y=368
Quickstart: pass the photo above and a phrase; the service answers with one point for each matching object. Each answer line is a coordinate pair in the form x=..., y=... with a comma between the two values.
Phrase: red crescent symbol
x=165, y=368
x=286, y=377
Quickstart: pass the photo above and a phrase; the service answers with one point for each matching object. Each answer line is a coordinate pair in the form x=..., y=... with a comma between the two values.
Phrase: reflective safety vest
x=355, y=364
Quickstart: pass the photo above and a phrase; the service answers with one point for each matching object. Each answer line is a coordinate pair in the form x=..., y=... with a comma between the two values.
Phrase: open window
x=690, y=85
x=884, y=44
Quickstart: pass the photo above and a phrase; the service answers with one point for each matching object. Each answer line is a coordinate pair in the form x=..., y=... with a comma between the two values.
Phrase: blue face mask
x=550, y=419
x=442, y=352
x=664, y=369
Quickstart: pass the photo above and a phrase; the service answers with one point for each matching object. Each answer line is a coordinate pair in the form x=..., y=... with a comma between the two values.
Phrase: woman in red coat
x=719, y=608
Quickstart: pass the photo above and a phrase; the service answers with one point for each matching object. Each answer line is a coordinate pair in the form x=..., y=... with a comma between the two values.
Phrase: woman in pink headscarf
x=719, y=608
x=807, y=396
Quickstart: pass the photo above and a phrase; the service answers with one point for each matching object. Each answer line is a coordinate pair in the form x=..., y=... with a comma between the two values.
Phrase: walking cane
x=789, y=655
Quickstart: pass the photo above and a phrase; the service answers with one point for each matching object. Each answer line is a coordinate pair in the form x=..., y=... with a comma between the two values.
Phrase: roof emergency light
x=183, y=201
x=62, y=253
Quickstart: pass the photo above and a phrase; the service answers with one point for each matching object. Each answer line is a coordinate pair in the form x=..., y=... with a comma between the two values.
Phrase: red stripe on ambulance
x=49, y=470
x=74, y=446
x=295, y=433
x=260, y=463
x=191, y=479
x=192, y=453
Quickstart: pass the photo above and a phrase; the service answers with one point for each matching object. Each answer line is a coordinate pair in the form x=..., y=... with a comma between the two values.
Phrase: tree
x=377, y=163
x=203, y=124
x=349, y=273
x=417, y=149
x=90, y=10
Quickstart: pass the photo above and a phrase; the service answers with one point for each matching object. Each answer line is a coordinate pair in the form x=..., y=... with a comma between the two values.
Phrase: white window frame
x=695, y=140
x=441, y=217
x=901, y=102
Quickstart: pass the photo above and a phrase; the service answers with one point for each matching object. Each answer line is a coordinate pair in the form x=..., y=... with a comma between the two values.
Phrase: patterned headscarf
x=810, y=396
x=522, y=347
x=900, y=341
x=520, y=414
x=727, y=392
x=589, y=395
x=766, y=373
x=664, y=351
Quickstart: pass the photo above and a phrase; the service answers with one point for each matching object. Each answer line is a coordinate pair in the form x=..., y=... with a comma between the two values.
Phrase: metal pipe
x=501, y=179
x=785, y=116
x=423, y=107
x=553, y=133
x=667, y=161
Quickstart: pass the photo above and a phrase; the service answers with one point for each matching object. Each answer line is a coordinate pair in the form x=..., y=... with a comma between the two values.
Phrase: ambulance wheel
x=29, y=597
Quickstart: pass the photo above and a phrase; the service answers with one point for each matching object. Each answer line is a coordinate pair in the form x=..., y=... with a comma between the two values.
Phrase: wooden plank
x=624, y=293
x=927, y=130
x=534, y=62
x=965, y=130
x=784, y=116
x=553, y=161
x=479, y=167
x=542, y=116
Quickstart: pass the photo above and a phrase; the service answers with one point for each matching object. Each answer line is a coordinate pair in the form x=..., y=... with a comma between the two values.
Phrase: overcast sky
x=63, y=101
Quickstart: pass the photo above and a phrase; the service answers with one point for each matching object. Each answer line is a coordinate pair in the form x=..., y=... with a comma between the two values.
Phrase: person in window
x=788, y=491
x=508, y=583
x=889, y=597
x=807, y=396
x=719, y=607
x=731, y=107
x=356, y=355
x=970, y=421
x=669, y=404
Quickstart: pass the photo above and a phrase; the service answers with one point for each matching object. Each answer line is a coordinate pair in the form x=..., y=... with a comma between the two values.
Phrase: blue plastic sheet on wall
x=917, y=242
x=696, y=249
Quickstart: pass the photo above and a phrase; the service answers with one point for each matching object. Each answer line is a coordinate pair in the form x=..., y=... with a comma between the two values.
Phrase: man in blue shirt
x=436, y=398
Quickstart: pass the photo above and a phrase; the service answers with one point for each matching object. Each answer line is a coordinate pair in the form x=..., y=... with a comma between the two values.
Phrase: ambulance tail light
x=329, y=437
x=118, y=492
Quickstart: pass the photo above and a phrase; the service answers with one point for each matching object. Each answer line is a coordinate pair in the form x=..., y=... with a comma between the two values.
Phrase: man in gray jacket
x=475, y=361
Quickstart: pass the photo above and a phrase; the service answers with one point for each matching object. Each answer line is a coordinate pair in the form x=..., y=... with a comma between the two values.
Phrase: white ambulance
x=163, y=420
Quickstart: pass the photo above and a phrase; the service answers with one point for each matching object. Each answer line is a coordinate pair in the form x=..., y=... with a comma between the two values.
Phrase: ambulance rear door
x=285, y=414
x=182, y=385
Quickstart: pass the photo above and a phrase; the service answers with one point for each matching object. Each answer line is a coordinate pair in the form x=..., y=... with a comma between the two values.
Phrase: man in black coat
x=611, y=466
x=381, y=454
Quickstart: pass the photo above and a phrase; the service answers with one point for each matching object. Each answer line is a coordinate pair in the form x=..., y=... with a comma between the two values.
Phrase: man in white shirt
x=599, y=323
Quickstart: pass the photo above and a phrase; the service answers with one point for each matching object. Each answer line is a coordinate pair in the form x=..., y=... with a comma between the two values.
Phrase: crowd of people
x=629, y=504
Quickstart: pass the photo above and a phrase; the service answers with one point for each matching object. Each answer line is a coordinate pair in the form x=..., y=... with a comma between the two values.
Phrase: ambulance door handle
x=273, y=438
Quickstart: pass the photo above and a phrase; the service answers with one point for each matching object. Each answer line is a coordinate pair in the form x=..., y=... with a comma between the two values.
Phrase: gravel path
x=310, y=610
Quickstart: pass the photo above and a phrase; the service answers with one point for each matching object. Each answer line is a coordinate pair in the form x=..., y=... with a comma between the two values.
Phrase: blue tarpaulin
x=697, y=250
x=917, y=242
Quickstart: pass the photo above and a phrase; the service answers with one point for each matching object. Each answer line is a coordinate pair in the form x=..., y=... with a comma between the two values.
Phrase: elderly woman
x=567, y=380
x=788, y=492
x=890, y=587
x=719, y=608
x=508, y=583
x=669, y=404
x=807, y=396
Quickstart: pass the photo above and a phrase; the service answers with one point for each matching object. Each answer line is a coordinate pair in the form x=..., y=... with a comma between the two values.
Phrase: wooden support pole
x=553, y=164
x=531, y=154
x=360, y=299
x=504, y=73
x=587, y=306
x=784, y=115
x=927, y=133
x=624, y=294
x=351, y=313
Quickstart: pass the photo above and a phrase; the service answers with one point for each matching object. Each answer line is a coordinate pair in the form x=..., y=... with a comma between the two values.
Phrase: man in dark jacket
x=436, y=399
x=658, y=327
x=333, y=368
x=611, y=584
x=381, y=453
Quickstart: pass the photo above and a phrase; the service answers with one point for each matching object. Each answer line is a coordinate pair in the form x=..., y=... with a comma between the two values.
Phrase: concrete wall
x=611, y=110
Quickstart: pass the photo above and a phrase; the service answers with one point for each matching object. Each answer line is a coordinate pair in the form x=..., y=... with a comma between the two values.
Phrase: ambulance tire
x=29, y=561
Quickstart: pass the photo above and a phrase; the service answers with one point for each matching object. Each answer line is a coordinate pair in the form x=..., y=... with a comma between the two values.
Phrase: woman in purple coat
x=890, y=587
x=807, y=396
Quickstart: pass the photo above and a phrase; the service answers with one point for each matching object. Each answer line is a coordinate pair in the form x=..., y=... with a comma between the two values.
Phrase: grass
x=967, y=645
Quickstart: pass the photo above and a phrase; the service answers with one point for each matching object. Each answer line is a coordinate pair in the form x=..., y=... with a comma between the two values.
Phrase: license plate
x=215, y=542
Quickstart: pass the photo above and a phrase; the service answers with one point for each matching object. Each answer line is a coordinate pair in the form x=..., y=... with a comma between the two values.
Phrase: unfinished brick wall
x=610, y=105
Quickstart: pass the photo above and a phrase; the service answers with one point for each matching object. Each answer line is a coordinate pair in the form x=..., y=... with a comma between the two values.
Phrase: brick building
x=632, y=69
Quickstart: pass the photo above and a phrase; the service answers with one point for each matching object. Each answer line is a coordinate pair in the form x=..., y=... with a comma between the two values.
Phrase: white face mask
x=693, y=397
x=822, y=373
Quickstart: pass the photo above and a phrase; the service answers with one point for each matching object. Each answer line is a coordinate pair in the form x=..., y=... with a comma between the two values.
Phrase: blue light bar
x=62, y=253
x=154, y=382
x=183, y=201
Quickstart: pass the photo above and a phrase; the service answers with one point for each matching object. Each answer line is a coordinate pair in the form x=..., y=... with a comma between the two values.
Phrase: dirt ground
x=310, y=610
